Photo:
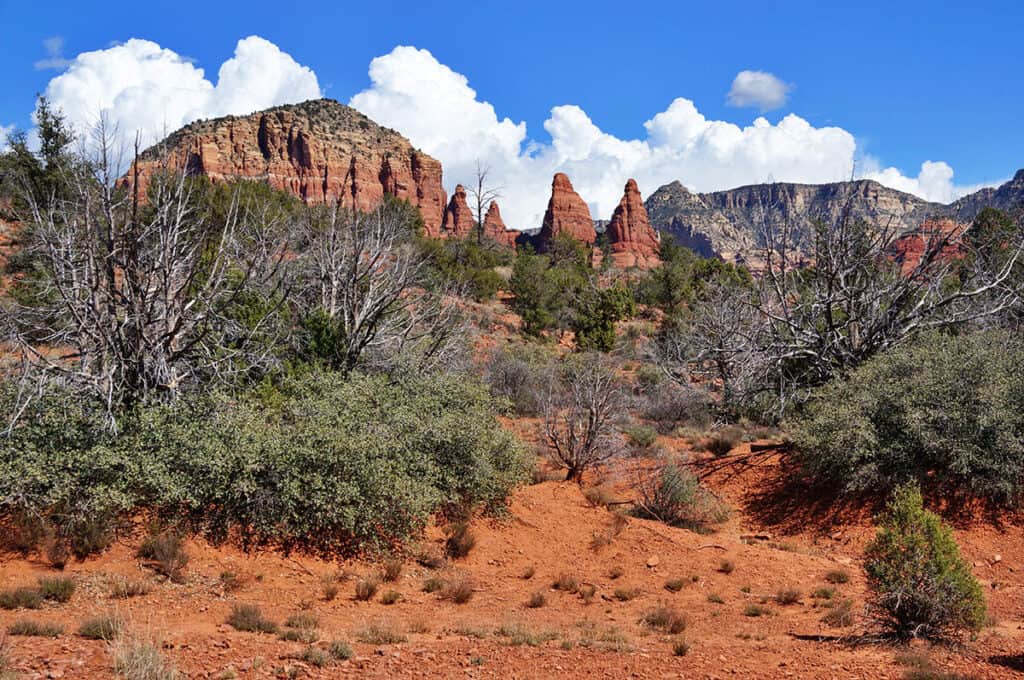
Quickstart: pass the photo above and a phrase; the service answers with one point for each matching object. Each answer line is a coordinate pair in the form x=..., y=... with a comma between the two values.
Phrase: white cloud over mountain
x=759, y=89
x=142, y=86
x=4, y=132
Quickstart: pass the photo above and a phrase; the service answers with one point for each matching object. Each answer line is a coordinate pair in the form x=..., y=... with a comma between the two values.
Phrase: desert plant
x=380, y=633
x=122, y=587
x=138, y=659
x=28, y=627
x=755, y=610
x=726, y=566
x=624, y=594
x=841, y=615
x=248, y=618
x=920, y=585
x=518, y=635
x=567, y=583
x=538, y=599
x=392, y=569
x=433, y=585
x=838, y=576
x=459, y=540
x=57, y=589
x=787, y=596
x=303, y=620
x=641, y=436
x=315, y=657
x=341, y=650
x=21, y=598
x=715, y=598
x=823, y=593
x=674, y=585
x=165, y=552
x=666, y=619
x=390, y=597
x=680, y=647
x=458, y=589
x=306, y=635
x=104, y=627
x=587, y=592
x=672, y=495
x=366, y=588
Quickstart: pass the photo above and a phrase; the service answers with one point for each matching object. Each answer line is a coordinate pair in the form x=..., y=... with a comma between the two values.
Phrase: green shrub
x=105, y=627
x=366, y=588
x=666, y=619
x=32, y=628
x=249, y=619
x=57, y=589
x=944, y=411
x=315, y=657
x=341, y=650
x=674, y=496
x=390, y=597
x=641, y=436
x=298, y=471
x=920, y=584
x=21, y=598
x=302, y=621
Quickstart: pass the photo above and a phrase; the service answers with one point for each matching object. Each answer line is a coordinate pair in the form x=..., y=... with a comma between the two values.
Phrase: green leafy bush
x=921, y=585
x=332, y=464
x=946, y=411
x=674, y=496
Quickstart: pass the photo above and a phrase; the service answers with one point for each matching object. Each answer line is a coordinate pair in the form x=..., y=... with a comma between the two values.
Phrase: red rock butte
x=458, y=218
x=320, y=150
x=634, y=242
x=495, y=229
x=567, y=213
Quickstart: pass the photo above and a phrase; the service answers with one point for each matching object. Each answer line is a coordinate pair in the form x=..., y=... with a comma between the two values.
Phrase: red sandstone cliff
x=634, y=242
x=567, y=213
x=319, y=150
x=495, y=229
x=459, y=221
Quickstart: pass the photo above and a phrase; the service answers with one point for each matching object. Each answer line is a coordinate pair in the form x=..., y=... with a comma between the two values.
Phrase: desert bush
x=567, y=583
x=673, y=495
x=921, y=587
x=249, y=619
x=390, y=597
x=675, y=585
x=459, y=540
x=392, y=569
x=587, y=592
x=719, y=444
x=105, y=627
x=641, y=436
x=341, y=650
x=841, y=615
x=458, y=589
x=787, y=596
x=31, y=628
x=838, y=576
x=137, y=659
x=21, y=598
x=726, y=566
x=515, y=374
x=366, y=588
x=433, y=585
x=294, y=470
x=305, y=635
x=122, y=587
x=946, y=411
x=316, y=657
x=303, y=620
x=380, y=633
x=670, y=403
x=715, y=598
x=538, y=599
x=823, y=593
x=680, y=647
x=519, y=635
x=626, y=593
x=57, y=589
x=755, y=610
x=165, y=552
x=666, y=619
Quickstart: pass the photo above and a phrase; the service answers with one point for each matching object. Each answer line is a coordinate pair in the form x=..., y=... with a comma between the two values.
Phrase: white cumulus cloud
x=5, y=132
x=140, y=86
x=54, y=54
x=760, y=89
x=436, y=108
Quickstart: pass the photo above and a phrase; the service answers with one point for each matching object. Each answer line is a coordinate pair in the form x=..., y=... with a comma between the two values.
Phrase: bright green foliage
x=946, y=411
x=921, y=585
x=596, y=314
x=331, y=464
x=683, y=275
x=468, y=263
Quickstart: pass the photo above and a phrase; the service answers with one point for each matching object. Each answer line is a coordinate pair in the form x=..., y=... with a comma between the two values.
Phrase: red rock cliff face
x=320, y=150
x=494, y=227
x=459, y=221
x=634, y=242
x=567, y=213
x=910, y=248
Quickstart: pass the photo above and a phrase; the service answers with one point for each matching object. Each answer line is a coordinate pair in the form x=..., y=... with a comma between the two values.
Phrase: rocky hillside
x=729, y=224
x=319, y=150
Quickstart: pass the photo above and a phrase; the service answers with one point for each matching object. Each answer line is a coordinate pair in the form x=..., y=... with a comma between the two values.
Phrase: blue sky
x=910, y=83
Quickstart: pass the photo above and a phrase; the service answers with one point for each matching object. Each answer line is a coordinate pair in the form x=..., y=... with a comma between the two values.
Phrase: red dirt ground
x=549, y=527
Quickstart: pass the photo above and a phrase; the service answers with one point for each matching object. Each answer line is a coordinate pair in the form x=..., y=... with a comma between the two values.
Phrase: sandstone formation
x=459, y=220
x=495, y=229
x=567, y=213
x=319, y=150
x=908, y=249
x=634, y=242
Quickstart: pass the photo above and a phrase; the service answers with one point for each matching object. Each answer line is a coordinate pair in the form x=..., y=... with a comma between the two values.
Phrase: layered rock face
x=731, y=224
x=320, y=150
x=567, y=213
x=495, y=229
x=458, y=218
x=634, y=242
x=908, y=249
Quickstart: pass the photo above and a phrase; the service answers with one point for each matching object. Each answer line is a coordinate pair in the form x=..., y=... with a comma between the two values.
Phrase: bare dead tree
x=366, y=276
x=579, y=403
x=483, y=195
x=134, y=294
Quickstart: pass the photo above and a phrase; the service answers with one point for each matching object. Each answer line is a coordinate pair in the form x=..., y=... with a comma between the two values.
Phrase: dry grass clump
x=616, y=572
x=392, y=569
x=599, y=496
x=104, y=627
x=366, y=588
x=306, y=635
x=122, y=587
x=433, y=585
x=460, y=540
x=303, y=620
x=674, y=585
x=755, y=610
x=316, y=657
x=341, y=650
x=666, y=619
x=380, y=633
x=431, y=559
x=680, y=647
x=838, y=577
x=458, y=589
x=57, y=589
x=726, y=567
x=840, y=616
x=31, y=628
x=517, y=635
x=787, y=596
x=21, y=598
x=823, y=593
x=165, y=553
x=715, y=598
x=390, y=597
x=139, y=659
x=537, y=600
x=567, y=583
x=625, y=594
x=249, y=619
x=587, y=592
x=528, y=573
